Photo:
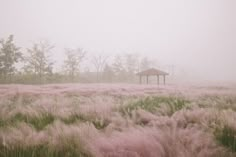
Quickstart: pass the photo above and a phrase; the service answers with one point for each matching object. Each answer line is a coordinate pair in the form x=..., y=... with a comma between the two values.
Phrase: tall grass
x=116, y=121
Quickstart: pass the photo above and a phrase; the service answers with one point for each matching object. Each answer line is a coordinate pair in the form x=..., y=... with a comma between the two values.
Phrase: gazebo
x=152, y=72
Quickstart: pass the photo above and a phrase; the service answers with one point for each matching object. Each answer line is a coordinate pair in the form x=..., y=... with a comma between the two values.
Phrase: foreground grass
x=176, y=127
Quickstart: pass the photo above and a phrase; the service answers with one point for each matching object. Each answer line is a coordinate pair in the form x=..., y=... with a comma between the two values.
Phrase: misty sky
x=198, y=36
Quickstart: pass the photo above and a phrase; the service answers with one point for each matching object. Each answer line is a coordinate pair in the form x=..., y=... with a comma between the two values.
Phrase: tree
x=145, y=63
x=38, y=60
x=74, y=57
x=108, y=73
x=9, y=55
x=118, y=68
x=131, y=65
x=99, y=62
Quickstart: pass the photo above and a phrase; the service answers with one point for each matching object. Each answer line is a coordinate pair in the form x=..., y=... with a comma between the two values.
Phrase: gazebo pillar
x=140, y=79
x=147, y=79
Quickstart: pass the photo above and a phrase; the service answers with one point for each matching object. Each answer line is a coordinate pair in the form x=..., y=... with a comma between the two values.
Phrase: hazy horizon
x=197, y=37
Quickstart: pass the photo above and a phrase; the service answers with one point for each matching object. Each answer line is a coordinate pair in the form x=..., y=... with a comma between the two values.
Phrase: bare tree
x=99, y=62
x=38, y=60
x=74, y=57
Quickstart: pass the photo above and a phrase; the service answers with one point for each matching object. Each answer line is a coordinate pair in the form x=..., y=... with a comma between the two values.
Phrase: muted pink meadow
x=186, y=133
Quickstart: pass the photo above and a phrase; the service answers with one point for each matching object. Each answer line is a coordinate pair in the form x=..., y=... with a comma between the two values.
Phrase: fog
x=196, y=37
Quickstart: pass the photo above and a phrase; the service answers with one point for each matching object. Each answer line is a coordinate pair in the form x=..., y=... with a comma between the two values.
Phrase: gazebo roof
x=152, y=71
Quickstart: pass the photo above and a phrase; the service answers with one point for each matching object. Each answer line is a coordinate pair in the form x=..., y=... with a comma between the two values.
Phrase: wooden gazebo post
x=147, y=79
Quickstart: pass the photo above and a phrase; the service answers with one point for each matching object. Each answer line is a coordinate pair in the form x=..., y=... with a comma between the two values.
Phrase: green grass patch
x=37, y=122
x=97, y=122
x=100, y=123
x=227, y=137
x=45, y=119
x=152, y=104
x=42, y=151
x=74, y=118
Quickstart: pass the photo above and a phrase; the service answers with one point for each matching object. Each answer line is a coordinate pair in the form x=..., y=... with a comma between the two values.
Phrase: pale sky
x=198, y=36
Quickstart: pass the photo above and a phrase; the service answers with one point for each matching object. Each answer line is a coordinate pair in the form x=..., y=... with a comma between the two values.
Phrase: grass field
x=102, y=120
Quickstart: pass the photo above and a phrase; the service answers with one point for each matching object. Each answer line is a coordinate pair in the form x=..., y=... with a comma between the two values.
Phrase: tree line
x=35, y=65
